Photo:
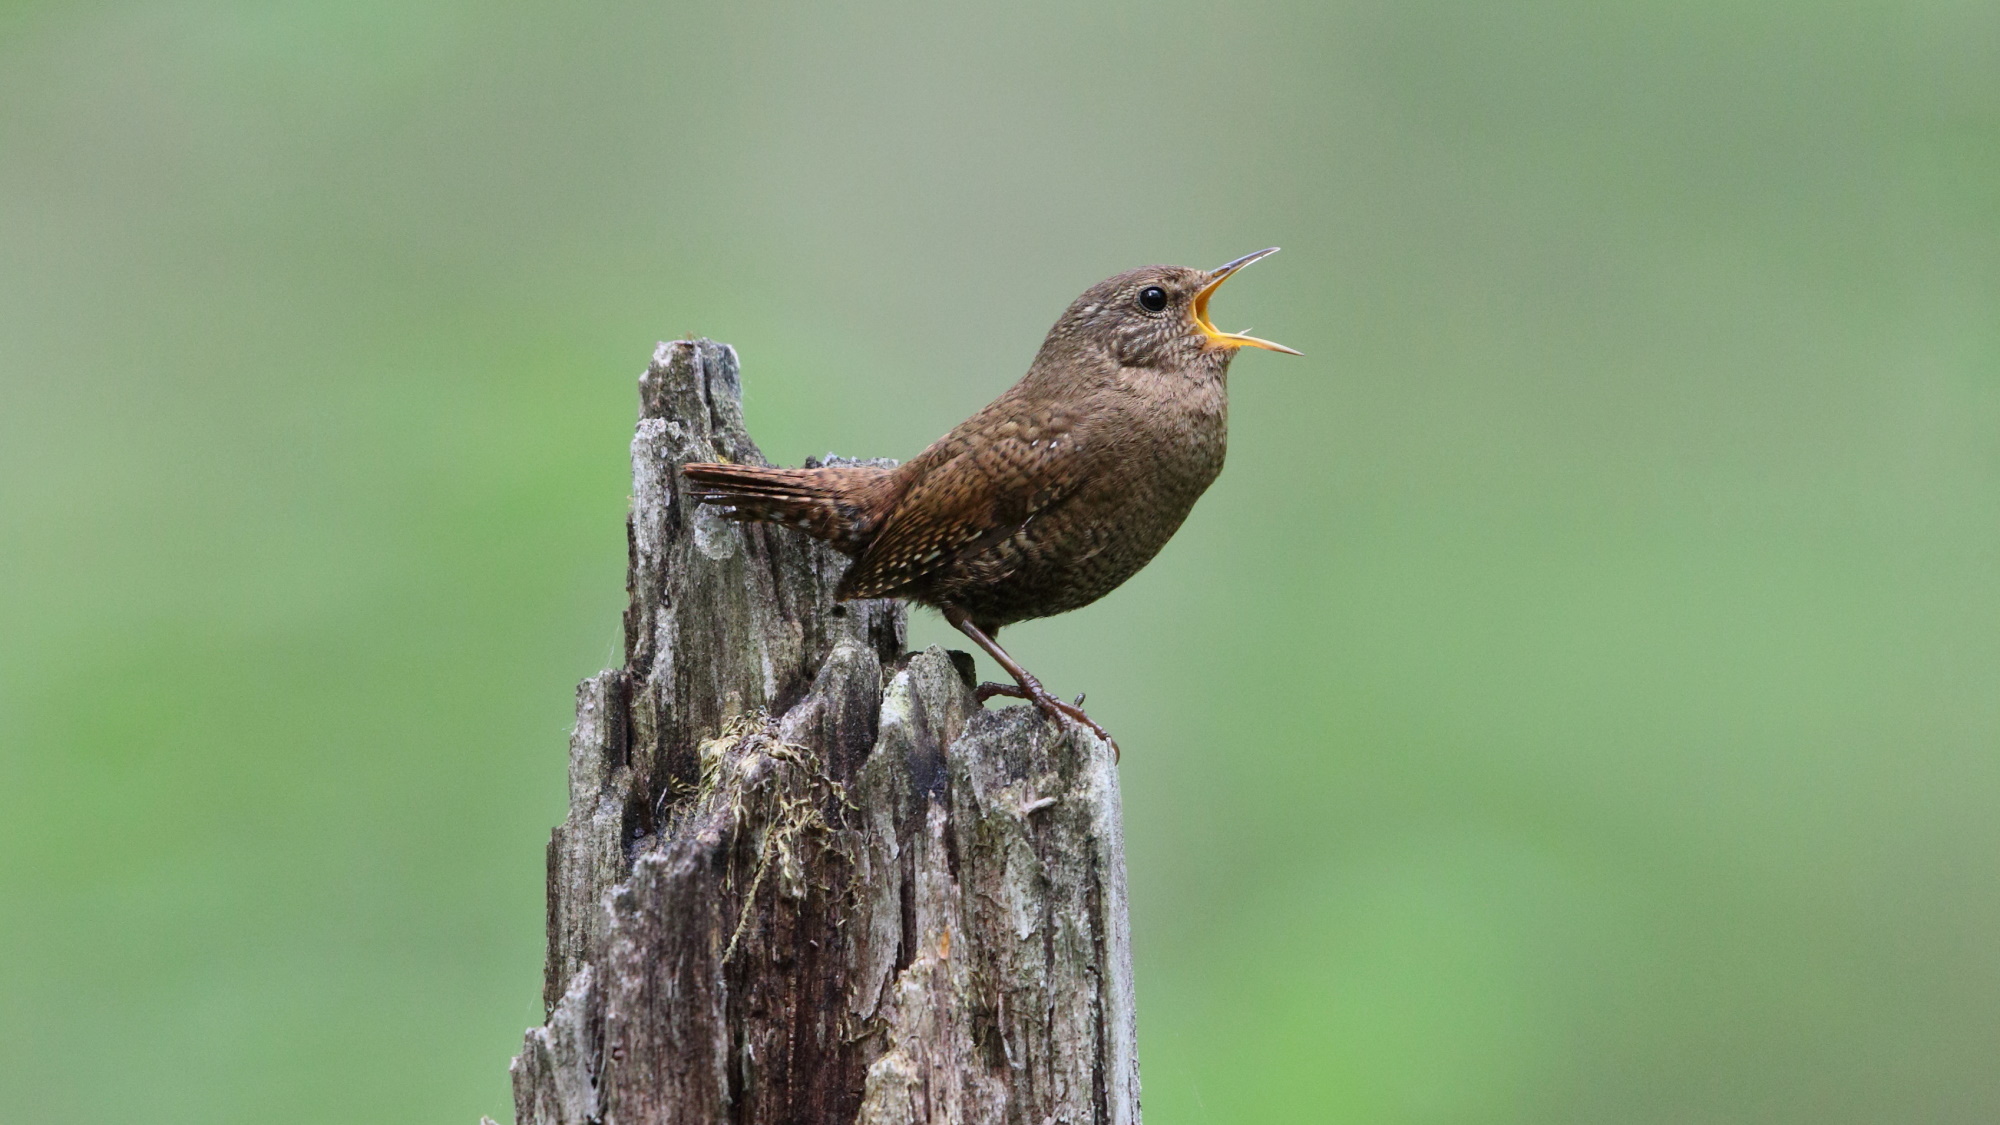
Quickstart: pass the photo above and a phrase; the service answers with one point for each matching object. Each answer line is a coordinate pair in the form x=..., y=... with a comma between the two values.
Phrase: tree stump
x=804, y=877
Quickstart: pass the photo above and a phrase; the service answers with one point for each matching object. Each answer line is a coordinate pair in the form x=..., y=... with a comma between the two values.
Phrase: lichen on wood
x=804, y=877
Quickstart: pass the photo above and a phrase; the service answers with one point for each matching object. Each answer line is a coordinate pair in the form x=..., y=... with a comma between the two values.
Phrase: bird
x=1048, y=498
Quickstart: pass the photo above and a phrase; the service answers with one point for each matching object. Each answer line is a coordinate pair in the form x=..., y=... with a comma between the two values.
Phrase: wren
x=1050, y=497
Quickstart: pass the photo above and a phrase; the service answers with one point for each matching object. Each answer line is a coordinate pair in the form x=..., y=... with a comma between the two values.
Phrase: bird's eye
x=1152, y=298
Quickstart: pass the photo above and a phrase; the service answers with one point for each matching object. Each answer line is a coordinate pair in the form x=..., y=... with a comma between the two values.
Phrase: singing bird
x=1051, y=496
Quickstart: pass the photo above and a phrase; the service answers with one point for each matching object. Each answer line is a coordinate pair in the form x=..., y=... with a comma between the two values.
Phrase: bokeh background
x=1579, y=700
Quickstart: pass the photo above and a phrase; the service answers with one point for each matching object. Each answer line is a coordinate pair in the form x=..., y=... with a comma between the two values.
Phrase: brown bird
x=1052, y=495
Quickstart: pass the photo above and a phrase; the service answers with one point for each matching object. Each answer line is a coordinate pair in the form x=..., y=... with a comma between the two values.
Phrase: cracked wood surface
x=804, y=878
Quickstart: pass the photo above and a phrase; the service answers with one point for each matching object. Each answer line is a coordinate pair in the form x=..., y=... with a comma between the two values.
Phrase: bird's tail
x=831, y=503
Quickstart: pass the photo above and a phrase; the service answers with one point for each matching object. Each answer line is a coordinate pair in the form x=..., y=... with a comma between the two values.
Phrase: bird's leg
x=1030, y=688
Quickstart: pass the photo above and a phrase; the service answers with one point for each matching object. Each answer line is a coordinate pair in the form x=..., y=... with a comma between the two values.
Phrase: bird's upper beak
x=1217, y=337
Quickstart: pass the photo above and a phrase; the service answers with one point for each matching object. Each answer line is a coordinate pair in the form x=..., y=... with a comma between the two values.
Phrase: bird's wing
x=992, y=475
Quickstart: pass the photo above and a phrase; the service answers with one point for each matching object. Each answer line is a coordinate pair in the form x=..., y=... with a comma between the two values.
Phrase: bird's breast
x=1082, y=548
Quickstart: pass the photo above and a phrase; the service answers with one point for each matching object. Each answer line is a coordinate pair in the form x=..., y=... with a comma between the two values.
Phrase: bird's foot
x=1051, y=708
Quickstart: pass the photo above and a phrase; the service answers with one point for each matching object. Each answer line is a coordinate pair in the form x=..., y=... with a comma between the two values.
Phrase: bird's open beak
x=1217, y=337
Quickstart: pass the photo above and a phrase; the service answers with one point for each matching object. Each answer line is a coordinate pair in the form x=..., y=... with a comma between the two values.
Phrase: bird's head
x=1157, y=316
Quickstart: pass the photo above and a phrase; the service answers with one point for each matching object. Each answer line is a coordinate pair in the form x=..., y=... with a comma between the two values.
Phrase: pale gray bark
x=804, y=877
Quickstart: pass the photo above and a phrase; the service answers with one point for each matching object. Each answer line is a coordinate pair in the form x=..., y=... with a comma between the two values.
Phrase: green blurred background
x=1579, y=701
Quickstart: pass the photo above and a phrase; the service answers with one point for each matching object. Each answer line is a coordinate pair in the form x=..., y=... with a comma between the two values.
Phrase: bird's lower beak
x=1217, y=337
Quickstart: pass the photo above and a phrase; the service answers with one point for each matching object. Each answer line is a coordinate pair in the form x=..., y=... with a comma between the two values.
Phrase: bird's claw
x=1052, y=709
x=1076, y=712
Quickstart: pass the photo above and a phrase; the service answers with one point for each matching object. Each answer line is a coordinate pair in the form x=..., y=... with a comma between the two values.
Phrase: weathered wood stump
x=804, y=877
